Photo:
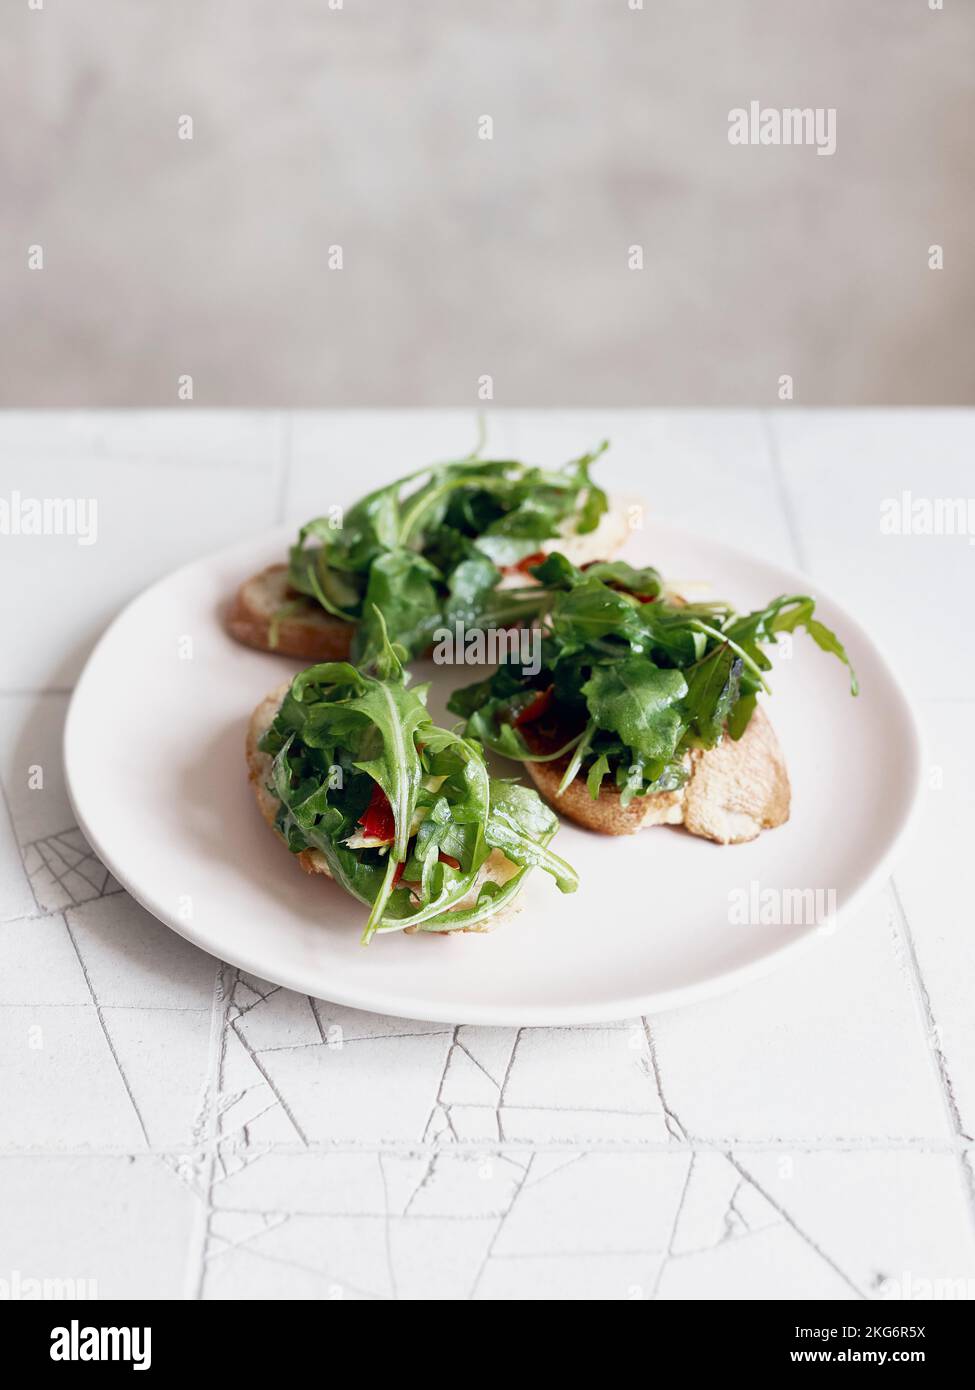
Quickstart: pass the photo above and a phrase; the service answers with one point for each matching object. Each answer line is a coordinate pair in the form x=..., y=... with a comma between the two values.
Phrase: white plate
x=155, y=767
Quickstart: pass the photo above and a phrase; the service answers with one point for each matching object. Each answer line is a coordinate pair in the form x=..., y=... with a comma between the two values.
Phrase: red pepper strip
x=377, y=819
x=536, y=709
x=524, y=566
x=538, y=557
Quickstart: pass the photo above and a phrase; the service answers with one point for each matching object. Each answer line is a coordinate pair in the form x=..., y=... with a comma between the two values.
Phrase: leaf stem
x=721, y=637
x=379, y=906
x=575, y=762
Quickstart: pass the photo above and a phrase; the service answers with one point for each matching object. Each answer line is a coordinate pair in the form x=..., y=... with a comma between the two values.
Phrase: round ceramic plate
x=154, y=753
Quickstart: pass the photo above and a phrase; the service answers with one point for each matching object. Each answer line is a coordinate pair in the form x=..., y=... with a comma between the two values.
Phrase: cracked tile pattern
x=173, y=1127
x=63, y=871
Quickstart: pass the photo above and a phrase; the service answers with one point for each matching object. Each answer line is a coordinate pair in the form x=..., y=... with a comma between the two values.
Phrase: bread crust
x=307, y=633
x=733, y=792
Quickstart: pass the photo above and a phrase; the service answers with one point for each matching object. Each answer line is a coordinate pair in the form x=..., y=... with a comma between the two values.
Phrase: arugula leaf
x=402, y=587
x=398, y=718
x=785, y=614
x=641, y=677
x=520, y=824
x=642, y=583
x=713, y=685
x=641, y=703
x=343, y=731
x=469, y=589
x=590, y=611
x=740, y=716
x=578, y=755
x=596, y=503
x=597, y=774
x=506, y=551
x=432, y=545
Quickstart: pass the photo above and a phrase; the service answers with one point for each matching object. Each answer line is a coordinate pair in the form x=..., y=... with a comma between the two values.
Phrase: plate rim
x=500, y=1014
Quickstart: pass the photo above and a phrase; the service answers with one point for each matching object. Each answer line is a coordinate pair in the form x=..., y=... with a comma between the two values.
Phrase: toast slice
x=497, y=868
x=304, y=630
x=733, y=792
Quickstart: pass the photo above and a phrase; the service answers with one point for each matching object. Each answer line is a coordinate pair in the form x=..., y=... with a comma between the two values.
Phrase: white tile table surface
x=170, y=1127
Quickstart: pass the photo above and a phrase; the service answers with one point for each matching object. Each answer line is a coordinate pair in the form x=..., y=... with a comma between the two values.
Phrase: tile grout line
x=504, y=1083
x=401, y=1148
x=89, y=1004
x=926, y=1010
x=671, y=1122
x=791, y=1222
x=285, y=446
x=387, y=1230
x=23, y=864
x=246, y=1248
x=939, y=1061
x=278, y=1097
x=104, y=1027
x=781, y=489
x=678, y=1210
x=489, y=1252
x=438, y=1103
x=208, y=1118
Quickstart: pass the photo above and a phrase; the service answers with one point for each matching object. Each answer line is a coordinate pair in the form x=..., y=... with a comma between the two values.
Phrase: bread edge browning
x=309, y=635
x=733, y=792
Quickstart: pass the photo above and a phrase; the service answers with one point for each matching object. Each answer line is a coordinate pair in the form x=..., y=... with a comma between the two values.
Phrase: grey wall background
x=358, y=126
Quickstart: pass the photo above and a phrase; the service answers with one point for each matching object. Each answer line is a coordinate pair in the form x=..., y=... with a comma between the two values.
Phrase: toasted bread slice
x=307, y=632
x=304, y=630
x=497, y=868
x=733, y=792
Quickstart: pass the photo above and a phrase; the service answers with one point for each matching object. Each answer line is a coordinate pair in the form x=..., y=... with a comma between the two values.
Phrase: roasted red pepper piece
x=538, y=557
x=377, y=819
x=539, y=706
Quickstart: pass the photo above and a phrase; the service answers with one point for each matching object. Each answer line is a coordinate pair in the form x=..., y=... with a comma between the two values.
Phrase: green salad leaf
x=641, y=703
x=433, y=547
x=403, y=811
x=632, y=679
